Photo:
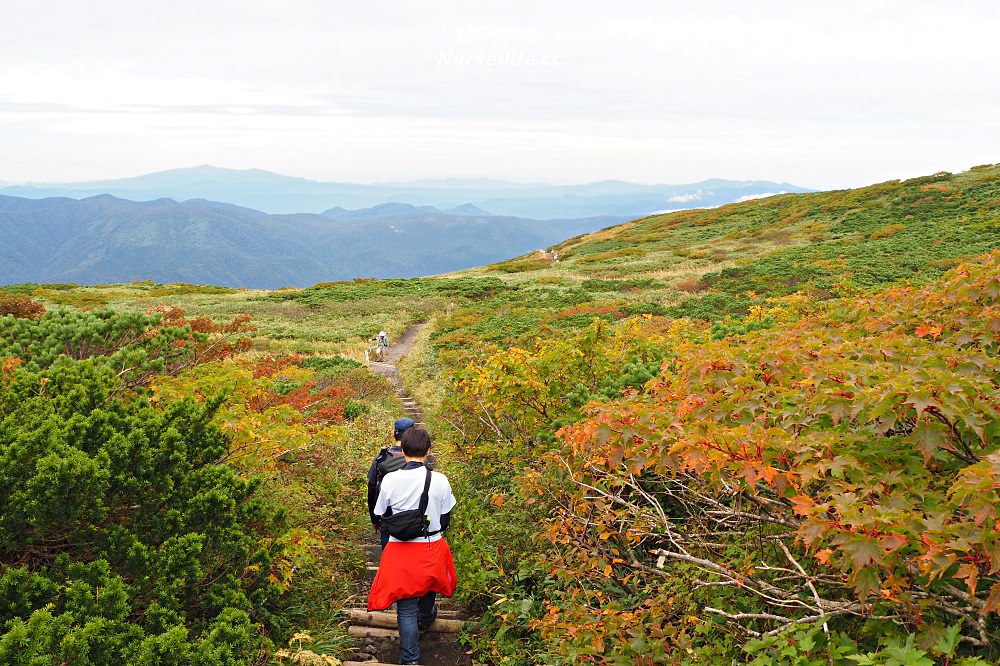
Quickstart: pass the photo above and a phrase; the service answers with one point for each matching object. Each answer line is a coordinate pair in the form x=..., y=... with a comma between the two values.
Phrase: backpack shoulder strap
x=423, y=495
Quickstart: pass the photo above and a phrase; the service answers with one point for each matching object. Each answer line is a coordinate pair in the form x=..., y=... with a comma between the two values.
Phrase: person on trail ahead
x=379, y=346
x=414, y=569
x=388, y=459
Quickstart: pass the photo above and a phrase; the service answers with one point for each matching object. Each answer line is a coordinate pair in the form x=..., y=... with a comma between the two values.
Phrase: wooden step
x=372, y=632
x=443, y=613
x=364, y=620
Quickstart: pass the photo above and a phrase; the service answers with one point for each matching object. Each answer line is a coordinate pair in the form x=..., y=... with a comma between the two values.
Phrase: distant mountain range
x=105, y=239
x=277, y=194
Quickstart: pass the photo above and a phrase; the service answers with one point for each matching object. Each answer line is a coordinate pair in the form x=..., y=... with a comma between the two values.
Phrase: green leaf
x=920, y=402
x=863, y=550
x=949, y=641
x=865, y=582
x=929, y=437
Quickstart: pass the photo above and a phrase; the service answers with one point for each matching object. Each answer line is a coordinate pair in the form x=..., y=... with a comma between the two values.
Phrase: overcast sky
x=819, y=94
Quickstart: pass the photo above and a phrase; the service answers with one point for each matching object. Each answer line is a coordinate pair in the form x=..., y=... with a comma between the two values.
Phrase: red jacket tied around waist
x=412, y=569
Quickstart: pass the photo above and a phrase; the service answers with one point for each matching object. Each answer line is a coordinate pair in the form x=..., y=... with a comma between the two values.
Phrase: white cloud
x=762, y=195
x=685, y=198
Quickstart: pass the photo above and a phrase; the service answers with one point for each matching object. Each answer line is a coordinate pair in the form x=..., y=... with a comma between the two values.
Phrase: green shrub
x=618, y=285
x=331, y=365
x=523, y=265
x=644, y=308
x=131, y=541
x=612, y=254
x=355, y=408
x=713, y=307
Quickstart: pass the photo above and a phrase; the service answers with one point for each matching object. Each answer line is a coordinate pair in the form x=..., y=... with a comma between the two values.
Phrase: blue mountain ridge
x=278, y=194
x=106, y=239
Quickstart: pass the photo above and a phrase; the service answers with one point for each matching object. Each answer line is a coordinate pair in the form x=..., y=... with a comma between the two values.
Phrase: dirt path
x=377, y=632
x=387, y=367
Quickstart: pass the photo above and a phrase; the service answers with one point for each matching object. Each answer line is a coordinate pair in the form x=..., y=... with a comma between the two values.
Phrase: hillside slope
x=928, y=224
x=709, y=263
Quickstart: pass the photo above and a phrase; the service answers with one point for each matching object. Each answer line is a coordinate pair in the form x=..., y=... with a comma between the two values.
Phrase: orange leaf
x=823, y=555
x=993, y=601
x=802, y=505
x=925, y=330
x=769, y=473
x=892, y=541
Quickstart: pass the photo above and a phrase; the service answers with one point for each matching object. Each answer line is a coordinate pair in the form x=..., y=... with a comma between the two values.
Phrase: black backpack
x=387, y=461
x=408, y=525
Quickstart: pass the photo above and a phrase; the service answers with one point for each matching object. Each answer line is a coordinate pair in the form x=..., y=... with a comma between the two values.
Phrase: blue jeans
x=408, y=613
x=383, y=533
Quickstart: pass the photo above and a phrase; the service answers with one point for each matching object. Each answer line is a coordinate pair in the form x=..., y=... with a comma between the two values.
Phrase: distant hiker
x=415, y=504
x=389, y=459
x=379, y=345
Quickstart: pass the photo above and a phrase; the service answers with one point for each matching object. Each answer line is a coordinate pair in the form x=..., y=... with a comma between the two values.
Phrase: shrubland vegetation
x=760, y=433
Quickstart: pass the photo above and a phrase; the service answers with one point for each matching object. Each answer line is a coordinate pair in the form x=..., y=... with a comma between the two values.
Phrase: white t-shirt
x=401, y=490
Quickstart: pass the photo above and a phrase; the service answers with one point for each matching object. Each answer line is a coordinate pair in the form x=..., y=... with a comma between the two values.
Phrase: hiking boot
x=422, y=626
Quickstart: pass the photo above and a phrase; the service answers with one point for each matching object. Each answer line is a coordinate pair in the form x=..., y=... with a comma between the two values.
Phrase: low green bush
x=123, y=537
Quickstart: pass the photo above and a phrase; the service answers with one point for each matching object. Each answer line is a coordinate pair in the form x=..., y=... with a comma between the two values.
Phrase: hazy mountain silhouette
x=274, y=193
x=104, y=239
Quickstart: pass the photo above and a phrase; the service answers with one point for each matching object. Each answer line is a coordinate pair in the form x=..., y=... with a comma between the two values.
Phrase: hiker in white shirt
x=412, y=572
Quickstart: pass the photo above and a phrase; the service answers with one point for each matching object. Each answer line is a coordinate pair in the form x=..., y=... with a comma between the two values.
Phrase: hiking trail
x=377, y=630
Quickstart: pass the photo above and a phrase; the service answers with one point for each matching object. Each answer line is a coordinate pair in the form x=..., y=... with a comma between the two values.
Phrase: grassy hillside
x=698, y=430
x=827, y=242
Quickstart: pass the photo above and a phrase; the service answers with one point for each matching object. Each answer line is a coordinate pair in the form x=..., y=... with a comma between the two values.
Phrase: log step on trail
x=446, y=622
x=376, y=632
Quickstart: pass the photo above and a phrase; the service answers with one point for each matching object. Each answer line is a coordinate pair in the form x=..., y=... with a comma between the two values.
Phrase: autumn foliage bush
x=504, y=406
x=273, y=406
x=21, y=306
x=693, y=285
x=841, y=472
x=820, y=474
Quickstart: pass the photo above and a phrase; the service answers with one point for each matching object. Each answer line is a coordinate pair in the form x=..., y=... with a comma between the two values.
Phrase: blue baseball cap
x=401, y=426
